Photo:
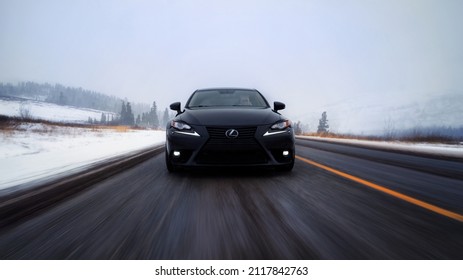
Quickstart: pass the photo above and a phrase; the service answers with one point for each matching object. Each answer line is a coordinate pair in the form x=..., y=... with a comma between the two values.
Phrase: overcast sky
x=308, y=54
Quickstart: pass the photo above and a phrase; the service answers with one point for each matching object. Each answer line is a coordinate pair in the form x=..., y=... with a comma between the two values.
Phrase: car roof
x=226, y=88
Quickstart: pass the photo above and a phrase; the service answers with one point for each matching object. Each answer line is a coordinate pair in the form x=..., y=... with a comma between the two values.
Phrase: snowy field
x=49, y=111
x=37, y=151
x=33, y=151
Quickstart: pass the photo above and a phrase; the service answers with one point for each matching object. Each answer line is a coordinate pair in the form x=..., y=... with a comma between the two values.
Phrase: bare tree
x=298, y=128
x=25, y=111
x=390, y=131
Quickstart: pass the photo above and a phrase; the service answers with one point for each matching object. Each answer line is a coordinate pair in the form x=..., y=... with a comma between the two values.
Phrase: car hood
x=229, y=116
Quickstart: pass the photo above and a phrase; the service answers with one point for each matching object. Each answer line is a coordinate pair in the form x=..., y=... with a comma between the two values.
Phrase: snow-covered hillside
x=14, y=107
x=31, y=152
x=373, y=116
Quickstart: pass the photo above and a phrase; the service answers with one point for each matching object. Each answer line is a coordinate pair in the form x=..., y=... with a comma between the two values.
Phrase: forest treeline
x=70, y=96
x=129, y=113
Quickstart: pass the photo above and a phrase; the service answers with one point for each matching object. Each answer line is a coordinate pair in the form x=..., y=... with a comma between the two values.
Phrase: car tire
x=169, y=165
x=286, y=167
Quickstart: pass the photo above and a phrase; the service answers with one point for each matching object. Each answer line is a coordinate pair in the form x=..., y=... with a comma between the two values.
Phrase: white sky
x=308, y=54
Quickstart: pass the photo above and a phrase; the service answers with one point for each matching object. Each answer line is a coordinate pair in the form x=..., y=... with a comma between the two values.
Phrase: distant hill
x=68, y=96
x=41, y=110
x=394, y=114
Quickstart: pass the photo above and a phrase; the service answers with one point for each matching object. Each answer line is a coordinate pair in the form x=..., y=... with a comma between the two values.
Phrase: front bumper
x=212, y=149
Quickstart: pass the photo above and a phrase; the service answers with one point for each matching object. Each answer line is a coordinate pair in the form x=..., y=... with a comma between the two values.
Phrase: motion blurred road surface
x=310, y=213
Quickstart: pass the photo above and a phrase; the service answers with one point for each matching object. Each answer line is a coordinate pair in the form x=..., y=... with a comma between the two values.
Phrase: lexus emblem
x=231, y=133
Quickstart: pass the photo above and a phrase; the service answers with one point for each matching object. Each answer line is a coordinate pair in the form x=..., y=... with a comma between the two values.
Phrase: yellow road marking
x=404, y=197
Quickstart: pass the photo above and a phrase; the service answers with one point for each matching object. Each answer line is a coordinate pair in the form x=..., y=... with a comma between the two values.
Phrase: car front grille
x=244, y=140
x=244, y=149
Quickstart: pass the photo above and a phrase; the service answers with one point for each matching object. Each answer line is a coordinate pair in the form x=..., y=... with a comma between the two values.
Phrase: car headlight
x=183, y=128
x=278, y=128
x=180, y=125
x=281, y=125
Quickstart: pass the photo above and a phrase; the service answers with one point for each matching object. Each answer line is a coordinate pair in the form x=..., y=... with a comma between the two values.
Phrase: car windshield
x=227, y=97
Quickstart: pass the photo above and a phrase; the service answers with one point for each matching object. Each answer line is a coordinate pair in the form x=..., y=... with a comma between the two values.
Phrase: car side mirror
x=176, y=107
x=278, y=106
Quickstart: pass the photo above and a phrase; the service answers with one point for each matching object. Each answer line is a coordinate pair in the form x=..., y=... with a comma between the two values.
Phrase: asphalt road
x=310, y=213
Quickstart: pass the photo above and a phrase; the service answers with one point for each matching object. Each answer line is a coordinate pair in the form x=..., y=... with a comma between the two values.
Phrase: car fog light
x=285, y=153
x=176, y=153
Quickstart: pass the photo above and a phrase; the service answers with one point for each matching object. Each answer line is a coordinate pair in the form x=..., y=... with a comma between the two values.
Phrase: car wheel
x=286, y=167
x=169, y=165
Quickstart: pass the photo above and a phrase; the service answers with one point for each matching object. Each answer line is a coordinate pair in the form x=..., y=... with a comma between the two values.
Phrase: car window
x=227, y=97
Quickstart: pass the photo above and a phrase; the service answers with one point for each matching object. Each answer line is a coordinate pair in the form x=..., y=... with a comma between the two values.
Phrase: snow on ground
x=48, y=111
x=446, y=150
x=37, y=151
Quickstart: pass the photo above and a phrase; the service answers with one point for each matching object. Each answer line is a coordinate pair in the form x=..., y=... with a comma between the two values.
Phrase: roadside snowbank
x=455, y=151
x=36, y=151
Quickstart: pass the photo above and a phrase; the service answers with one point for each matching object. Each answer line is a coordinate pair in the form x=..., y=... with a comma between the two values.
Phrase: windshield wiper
x=199, y=106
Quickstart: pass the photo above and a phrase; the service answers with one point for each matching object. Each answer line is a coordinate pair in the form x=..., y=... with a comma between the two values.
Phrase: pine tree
x=62, y=99
x=123, y=113
x=144, y=119
x=323, y=124
x=103, y=118
x=130, y=118
x=298, y=128
x=153, y=116
x=165, y=117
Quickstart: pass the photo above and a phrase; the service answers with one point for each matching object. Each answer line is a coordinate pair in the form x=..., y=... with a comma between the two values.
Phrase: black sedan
x=229, y=127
